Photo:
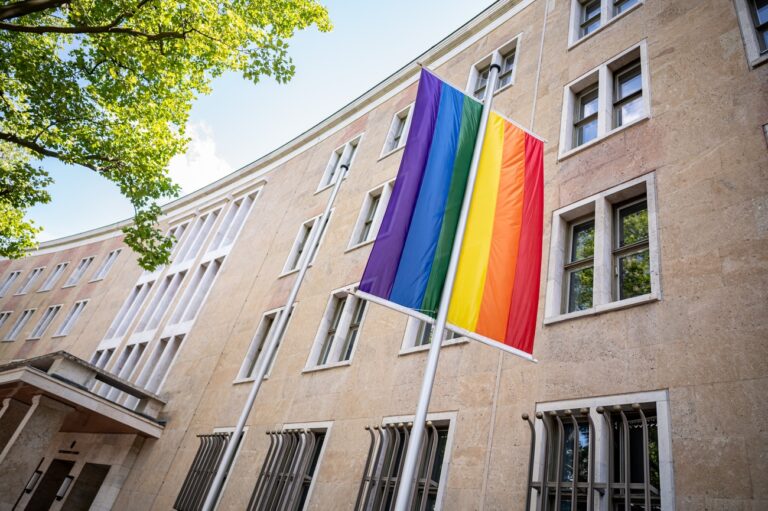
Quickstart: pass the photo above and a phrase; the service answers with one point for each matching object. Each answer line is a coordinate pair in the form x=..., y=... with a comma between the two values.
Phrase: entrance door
x=45, y=494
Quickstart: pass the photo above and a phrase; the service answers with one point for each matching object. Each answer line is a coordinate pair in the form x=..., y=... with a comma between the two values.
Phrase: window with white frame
x=4, y=317
x=390, y=440
x=103, y=270
x=19, y=325
x=233, y=221
x=101, y=357
x=129, y=310
x=45, y=322
x=159, y=363
x=604, y=252
x=264, y=332
x=371, y=214
x=398, y=130
x=124, y=368
x=71, y=319
x=343, y=156
x=8, y=282
x=606, y=100
x=609, y=452
x=291, y=487
x=30, y=281
x=300, y=244
x=420, y=333
x=54, y=277
x=588, y=16
x=753, y=20
x=192, y=244
x=163, y=298
x=78, y=273
x=195, y=294
x=339, y=329
x=506, y=58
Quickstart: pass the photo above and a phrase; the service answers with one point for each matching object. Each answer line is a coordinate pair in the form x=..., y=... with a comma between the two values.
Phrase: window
x=8, y=282
x=124, y=368
x=31, y=278
x=300, y=244
x=45, y=321
x=82, y=267
x=371, y=214
x=192, y=244
x=604, y=253
x=129, y=310
x=340, y=157
x=153, y=374
x=338, y=332
x=289, y=469
x=753, y=20
x=200, y=476
x=71, y=319
x=161, y=301
x=54, y=277
x=605, y=100
x=264, y=332
x=101, y=357
x=418, y=336
x=603, y=453
x=19, y=325
x=4, y=317
x=103, y=270
x=233, y=221
x=389, y=443
x=398, y=130
x=506, y=58
x=590, y=16
x=195, y=294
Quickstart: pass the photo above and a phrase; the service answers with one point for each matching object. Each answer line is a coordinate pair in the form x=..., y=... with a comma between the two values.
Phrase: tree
x=108, y=85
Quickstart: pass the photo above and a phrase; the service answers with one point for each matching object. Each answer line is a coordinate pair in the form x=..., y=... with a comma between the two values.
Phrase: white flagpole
x=261, y=369
x=407, y=477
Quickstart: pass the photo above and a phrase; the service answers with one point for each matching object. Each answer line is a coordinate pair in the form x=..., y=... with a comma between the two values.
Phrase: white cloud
x=200, y=165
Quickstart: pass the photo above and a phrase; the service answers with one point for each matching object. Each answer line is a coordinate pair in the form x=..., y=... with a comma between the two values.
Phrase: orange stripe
x=502, y=263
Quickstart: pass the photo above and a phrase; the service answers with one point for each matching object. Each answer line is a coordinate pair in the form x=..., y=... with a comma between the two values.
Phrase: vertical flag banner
x=496, y=291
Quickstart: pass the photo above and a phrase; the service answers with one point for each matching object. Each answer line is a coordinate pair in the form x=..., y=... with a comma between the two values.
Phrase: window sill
x=58, y=336
x=240, y=381
x=33, y=338
x=425, y=347
x=606, y=307
x=291, y=272
x=359, y=245
x=591, y=143
x=759, y=61
x=329, y=185
x=390, y=152
x=96, y=280
x=327, y=366
x=577, y=42
x=8, y=340
x=68, y=286
x=502, y=89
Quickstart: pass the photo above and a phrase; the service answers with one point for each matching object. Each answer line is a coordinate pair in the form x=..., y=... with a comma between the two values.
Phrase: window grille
x=200, y=476
x=567, y=479
x=384, y=463
x=288, y=469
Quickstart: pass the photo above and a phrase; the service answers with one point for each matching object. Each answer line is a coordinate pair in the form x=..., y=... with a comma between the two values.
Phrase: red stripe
x=521, y=326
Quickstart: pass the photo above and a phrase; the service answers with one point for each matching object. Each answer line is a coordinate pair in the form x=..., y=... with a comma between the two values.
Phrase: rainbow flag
x=495, y=294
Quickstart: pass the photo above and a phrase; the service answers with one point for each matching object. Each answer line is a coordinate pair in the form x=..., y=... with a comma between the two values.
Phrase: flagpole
x=272, y=343
x=408, y=474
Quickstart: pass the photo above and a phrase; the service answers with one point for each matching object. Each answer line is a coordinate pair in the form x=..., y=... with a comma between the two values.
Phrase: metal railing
x=200, y=475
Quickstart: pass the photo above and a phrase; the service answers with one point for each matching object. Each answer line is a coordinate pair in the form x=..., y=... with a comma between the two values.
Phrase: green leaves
x=109, y=86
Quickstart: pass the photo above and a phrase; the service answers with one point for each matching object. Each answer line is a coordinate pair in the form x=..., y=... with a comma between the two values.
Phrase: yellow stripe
x=467, y=295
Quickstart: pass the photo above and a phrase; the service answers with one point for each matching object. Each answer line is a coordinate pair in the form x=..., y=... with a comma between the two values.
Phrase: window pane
x=586, y=132
x=583, y=243
x=583, y=446
x=761, y=11
x=580, y=289
x=634, y=275
x=587, y=104
x=628, y=83
x=622, y=6
x=629, y=111
x=633, y=224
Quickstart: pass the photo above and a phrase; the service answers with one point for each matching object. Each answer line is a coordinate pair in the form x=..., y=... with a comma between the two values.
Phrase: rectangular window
x=339, y=330
x=45, y=321
x=161, y=301
x=200, y=476
x=192, y=244
x=54, y=277
x=589, y=16
x=71, y=319
x=620, y=6
x=604, y=453
x=233, y=221
x=604, y=252
x=605, y=100
x=418, y=336
x=129, y=310
x=341, y=157
x=389, y=443
x=103, y=270
x=78, y=273
x=759, y=10
x=289, y=469
x=124, y=368
x=426, y=331
x=398, y=130
x=31, y=278
x=194, y=296
x=19, y=325
x=371, y=214
x=159, y=363
x=4, y=317
x=506, y=58
x=101, y=357
x=264, y=332
x=300, y=244
x=8, y=282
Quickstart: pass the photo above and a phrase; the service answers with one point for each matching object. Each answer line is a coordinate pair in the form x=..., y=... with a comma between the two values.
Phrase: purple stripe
x=382, y=264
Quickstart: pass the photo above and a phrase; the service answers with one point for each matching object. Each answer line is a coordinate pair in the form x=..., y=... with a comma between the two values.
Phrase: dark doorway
x=45, y=494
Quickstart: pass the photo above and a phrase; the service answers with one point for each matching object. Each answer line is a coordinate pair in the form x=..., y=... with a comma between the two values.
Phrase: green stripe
x=470, y=121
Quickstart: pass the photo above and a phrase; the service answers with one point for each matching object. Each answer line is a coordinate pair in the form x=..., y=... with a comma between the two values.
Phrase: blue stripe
x=419, y=250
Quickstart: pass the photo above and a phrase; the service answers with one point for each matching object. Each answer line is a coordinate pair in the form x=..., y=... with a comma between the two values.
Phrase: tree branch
x=41, y=150
x=104, y=29
x=25, y=7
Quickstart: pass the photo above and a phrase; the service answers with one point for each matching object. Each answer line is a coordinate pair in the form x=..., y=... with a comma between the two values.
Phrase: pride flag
x=495, y=294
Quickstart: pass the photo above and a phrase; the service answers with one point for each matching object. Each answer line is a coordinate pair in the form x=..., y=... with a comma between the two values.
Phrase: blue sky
x=241, y=121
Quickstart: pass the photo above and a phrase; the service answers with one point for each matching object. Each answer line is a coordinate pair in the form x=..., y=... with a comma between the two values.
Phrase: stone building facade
x=652, y=334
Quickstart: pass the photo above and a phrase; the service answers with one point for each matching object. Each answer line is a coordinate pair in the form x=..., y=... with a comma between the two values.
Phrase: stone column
x=27, y=445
